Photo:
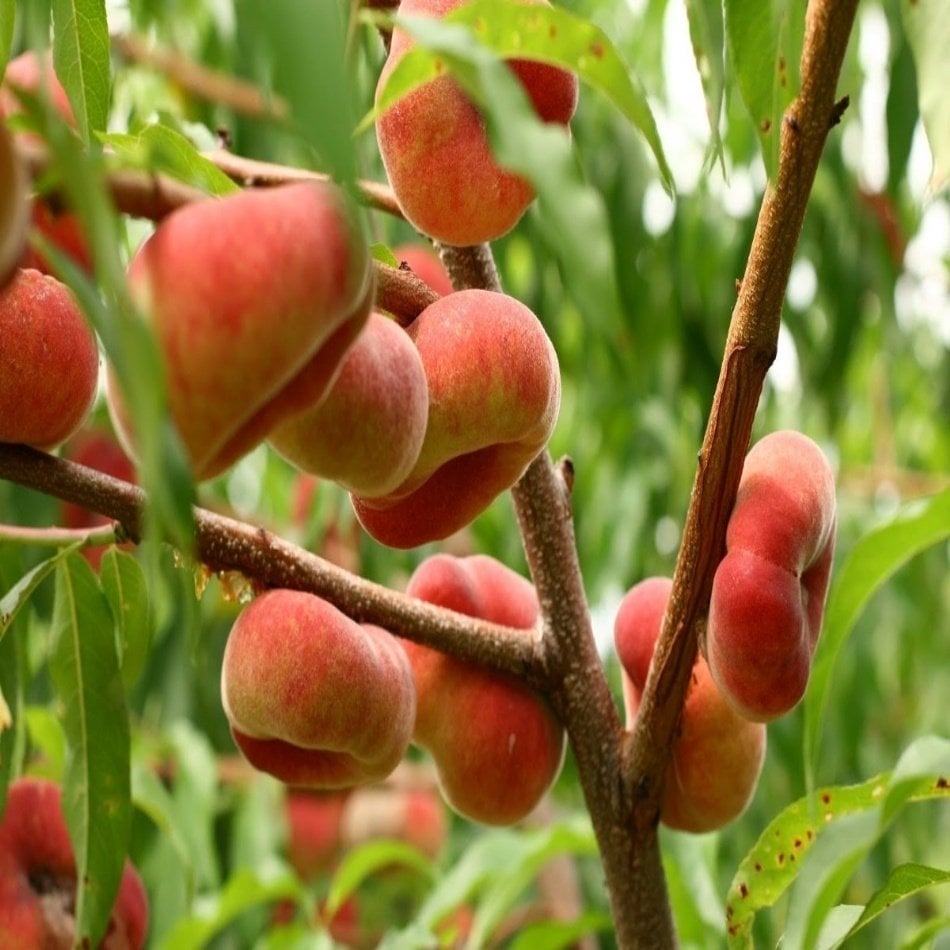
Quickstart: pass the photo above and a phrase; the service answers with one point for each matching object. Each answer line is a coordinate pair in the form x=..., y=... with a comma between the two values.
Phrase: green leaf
x=553, y=35
x=81, y=60
x=481, y=860
x=84, y=666
x=546, y=34
x=153, y=799
x=244, y=891
x=572, y=214
x=904, y=881
x=359, y=864
x=512, y=879
x=123, y=582
x=195, y=794
x=20, y=593
x=828, y=833
x=554, y=935
x=161, y=149
x=928, y=31
x=764, y=38
x=48, y=740
x=706, y=31
x=901, y=113
x=869, y=564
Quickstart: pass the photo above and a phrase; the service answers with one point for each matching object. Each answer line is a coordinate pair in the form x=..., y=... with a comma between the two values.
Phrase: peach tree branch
x=225, y=544
x=749, y=351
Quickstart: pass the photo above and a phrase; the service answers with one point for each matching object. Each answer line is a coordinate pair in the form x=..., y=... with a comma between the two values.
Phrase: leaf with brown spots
x=829, y=833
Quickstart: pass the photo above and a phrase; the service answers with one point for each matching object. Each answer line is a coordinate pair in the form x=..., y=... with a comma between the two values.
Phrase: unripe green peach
x=255, y=299
x=38, y=878
x=49, y=362
x=436, y=150
x=494, y=394
x=314, y=698
x=717, y=755
x=497, y=745
x=768, y=593
x=367, y=432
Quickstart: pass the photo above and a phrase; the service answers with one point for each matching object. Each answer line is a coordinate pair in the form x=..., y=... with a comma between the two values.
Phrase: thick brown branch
x=750, y=349
x=224, y=544
x=575, y=684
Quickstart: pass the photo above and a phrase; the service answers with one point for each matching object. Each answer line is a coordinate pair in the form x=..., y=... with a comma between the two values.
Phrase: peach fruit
x=314, y=698
x=717, y=755
x=367, y=432
x=38, y=878
x=436, y=151
x=254, y=299
x=314, y=830
x=768, y=593
x=423, y=261
x=494, y=394
x=49, y=362
x=497, y=745
x=34, y=73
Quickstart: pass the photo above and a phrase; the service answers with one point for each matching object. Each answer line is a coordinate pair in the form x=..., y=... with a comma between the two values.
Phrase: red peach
x=49, y=362
x=436, y=151
x=255, y=299
x=314, y=698
x=423, y=261
x=768, y=593
x=38, y=878
x=717, y=755
x=494, y=395
x=496, y=743
x=367, y=431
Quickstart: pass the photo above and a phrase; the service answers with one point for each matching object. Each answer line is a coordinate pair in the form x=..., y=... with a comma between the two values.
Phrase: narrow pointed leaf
x=81, y=60
x=84, y=667
x=869, y=564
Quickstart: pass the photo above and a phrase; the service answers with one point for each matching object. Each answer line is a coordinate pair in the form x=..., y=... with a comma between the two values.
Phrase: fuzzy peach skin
x=49, y=362
x=414, y=815
x=367, y=432
x=255, y=299
x=717, y=756
x=497, y=745
x=423, y=261
x=494, y=395
x=436, y=151
x=38, y=878
x=314, y=698
x=769, y=591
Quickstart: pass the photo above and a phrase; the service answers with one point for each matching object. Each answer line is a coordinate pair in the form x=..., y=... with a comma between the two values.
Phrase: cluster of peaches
x=262, y=305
